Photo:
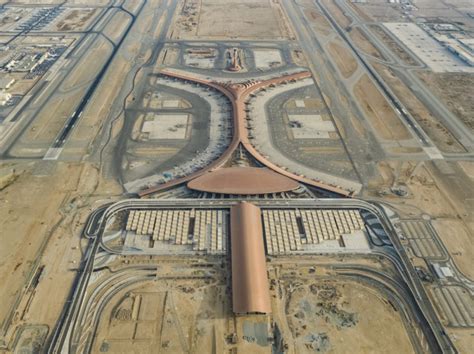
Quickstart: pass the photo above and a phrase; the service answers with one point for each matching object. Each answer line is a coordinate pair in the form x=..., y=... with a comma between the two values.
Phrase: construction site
x=258, y=259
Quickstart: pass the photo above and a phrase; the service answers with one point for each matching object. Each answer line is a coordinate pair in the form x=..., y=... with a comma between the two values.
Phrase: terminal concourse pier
x=250, y=287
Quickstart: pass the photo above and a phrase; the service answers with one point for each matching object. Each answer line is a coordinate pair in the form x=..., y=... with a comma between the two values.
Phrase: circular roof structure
x=243, y=180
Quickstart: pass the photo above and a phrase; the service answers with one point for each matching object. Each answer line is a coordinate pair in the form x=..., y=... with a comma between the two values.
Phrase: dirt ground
x=435, y=195
x=336, y=11
x=442, y=137
x=364, y=44
x=89, y=66
x=43, y=210
x=169, y=56
x=462, y=339
x=116, y=27
x=174, y=315
x=76, y=20
x=132, y=6
x=50, y=121
x=360, y=12
x=444, y=199
x=261, y=19
x=382, y=117
x=318, y=21
x=393, y=45
x=25, y=233
x=94, y=114
x=345, y=61
x=41, y=226
x=194, y=315
x=425, y=196
x=101, y=103
x=21, y=86
x=451, y=88
x=459, y=243
x=75, y=2
x=329, y=316
x=299, y=58
x=378, y=11
x=468, y=168
x=56, y=215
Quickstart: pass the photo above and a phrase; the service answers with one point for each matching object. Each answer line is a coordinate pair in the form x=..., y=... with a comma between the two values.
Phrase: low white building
x=442, y=272
x=4, y=98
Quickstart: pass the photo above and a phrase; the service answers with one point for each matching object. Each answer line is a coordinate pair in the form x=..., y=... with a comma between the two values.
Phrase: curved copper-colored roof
x=237, y=93
x=250, y=287
x=243, y=180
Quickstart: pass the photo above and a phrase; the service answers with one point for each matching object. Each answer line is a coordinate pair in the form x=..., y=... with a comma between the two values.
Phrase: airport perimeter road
x=92, y=230
x=439, y=110
x=396, y=291
x=438, y=338
x=96, y=225
x=78, y=290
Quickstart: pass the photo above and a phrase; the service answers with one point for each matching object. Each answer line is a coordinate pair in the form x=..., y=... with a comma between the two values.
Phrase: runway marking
x=52, y=154
x=433, y=153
